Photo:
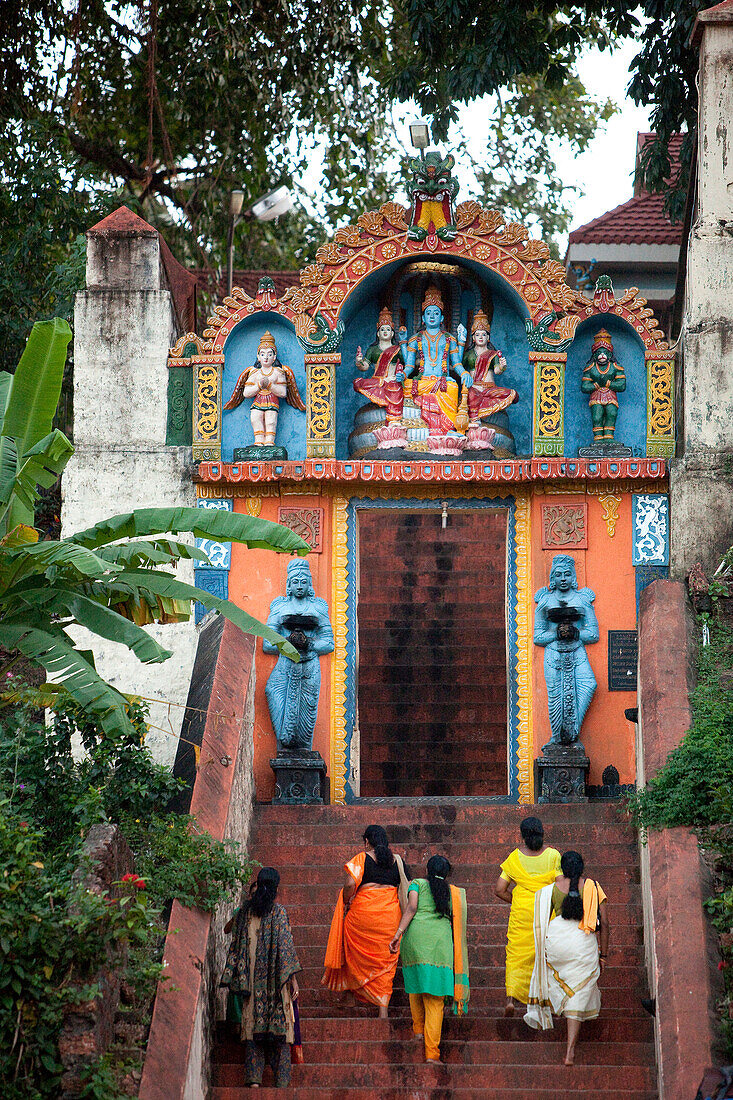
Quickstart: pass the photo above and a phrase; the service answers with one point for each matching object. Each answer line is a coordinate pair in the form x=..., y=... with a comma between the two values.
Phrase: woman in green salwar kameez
x=433, y=952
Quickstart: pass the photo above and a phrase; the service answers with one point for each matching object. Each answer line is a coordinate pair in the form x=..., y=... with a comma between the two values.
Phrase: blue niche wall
x=628, y=350
x=507, y=333
x=240, y=352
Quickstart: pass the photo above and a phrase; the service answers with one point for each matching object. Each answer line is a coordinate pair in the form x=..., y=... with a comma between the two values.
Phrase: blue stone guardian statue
x=292, y=689
x=565, y=623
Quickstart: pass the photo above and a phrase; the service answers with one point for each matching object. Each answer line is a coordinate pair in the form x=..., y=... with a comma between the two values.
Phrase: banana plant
x=107, y=578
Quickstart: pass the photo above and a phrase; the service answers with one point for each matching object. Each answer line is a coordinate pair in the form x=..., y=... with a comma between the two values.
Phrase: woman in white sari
x=568, y=962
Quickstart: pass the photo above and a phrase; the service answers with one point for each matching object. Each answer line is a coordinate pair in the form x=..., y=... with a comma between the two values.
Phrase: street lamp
x=420, y=136
x=265, y=209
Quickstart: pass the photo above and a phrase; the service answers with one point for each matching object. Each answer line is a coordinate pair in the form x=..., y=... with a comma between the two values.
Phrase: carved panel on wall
x=660, y=408
x=650, y=544
x=549, y=388
x=321, y=425
x=207, y=412
x=609, y=502
x=306, y=522
x=219, y=553
x=564, y=525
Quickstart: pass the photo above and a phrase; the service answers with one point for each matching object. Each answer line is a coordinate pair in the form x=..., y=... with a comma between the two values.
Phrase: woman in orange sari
x=368, y=911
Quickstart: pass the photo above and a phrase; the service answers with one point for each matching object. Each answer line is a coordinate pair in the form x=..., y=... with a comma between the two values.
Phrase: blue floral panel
x=219, y=553
x=215, y=581
x=650, y=542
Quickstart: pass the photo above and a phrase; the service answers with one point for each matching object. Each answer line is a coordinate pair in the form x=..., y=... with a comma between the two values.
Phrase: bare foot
x=570, y=1058
x=509, y=1008
x=436, y=1061
x=383, y=1013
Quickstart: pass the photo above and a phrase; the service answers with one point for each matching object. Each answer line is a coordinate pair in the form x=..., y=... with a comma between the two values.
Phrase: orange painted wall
x=606, y=568
x=255, y=578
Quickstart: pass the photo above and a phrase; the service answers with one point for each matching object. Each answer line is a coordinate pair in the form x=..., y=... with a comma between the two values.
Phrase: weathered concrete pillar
x=702, y=479
x=124, y=324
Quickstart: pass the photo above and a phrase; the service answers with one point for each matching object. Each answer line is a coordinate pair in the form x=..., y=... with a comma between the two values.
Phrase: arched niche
x=628, y=350
x=466, y=285
x=240, y=352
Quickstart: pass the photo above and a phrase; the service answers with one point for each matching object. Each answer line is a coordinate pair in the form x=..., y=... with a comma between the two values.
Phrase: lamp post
x=265, y=209
x=420, y=137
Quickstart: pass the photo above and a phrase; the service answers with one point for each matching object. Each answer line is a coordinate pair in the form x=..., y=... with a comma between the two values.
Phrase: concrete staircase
x=350, y=1055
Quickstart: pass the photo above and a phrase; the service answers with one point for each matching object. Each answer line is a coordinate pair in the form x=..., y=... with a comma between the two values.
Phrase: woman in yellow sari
x=368, y=911
x=529, y=867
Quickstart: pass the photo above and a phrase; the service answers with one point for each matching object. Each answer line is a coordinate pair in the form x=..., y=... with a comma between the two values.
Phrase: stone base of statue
x=390, y=435
x=605, y=448
x=260, y=452
x=300, y=778
x=480, y=439
x=561, y=773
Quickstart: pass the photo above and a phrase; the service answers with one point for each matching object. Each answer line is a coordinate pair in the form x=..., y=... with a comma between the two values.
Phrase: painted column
x=321, y=404
x=207, y=407
x=701, y=484
x=549, y=394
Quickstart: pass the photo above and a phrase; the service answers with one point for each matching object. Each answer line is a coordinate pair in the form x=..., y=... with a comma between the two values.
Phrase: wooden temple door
x=432, y=676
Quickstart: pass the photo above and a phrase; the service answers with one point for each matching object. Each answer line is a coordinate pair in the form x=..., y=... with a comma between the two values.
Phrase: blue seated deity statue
x=565, y=623
x=292, y=689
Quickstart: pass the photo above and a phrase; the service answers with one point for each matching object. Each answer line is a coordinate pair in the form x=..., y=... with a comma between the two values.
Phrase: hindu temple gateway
x=486, y=463
x=468, y=419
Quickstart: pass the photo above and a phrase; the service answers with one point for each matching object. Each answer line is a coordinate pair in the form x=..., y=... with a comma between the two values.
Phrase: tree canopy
x=168, y=104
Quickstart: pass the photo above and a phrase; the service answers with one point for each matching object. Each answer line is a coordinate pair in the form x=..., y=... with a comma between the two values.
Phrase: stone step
x=620, y=958
x=590, y=1080
x=487, y=748
x=472, y=877
x=479, y=895
x=438, y=1091
x=452, y=811
x=485, y=1001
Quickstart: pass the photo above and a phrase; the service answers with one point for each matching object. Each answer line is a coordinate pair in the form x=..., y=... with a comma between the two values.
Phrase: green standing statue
x=603, y=378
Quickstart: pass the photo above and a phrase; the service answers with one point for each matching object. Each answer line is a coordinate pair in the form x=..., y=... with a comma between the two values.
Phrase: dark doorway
x=432, y=653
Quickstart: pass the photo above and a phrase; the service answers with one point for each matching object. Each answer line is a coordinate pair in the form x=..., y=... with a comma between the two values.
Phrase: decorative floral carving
x=320, y=394
x=551, y=381
x=651, y=536
x=482, y=251
x=301, y=298
x=312, y=275
x=253, y=505
x=306, y=522
x=395, y=214
x=336, y=293
x=510, y=267
x=610, y=502
x=531, y=292
x=552, y=272
x=359, y=267
x=348, y=235
x=207, y=403
x=389, y=250
x=372, y=221
x=564, y=525
x=329, y=254
x=489, y=221
x=561, y=295
x=513, y=233
x=467, y=213
x=534, y=250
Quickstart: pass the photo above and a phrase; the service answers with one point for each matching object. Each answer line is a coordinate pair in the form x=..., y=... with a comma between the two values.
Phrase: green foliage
x=694, y=786
x=181, y=862
x=63, y=793
x=53, y=938
x=720, y=911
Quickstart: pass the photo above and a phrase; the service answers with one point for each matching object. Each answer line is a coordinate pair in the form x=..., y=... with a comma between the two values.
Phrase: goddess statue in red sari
x=485, y=398
x=384, y=388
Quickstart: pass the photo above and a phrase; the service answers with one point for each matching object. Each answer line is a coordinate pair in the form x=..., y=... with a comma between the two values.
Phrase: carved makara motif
x=306, y=522
x=564, y=525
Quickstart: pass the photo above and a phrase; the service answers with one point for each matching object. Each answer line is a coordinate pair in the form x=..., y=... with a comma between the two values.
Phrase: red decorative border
x=440, y=470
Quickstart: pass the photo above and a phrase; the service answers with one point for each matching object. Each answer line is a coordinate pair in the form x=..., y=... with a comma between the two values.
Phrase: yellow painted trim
x=339, y=608
x=523, y=628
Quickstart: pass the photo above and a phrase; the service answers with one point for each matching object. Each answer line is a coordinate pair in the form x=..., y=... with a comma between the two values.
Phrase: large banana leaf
x=41, y=465
x=140, y=581
x=36, y=386
x=50, y=559
x=207, y=523
x=141, y=552
x=59, y=600
x=68, y=666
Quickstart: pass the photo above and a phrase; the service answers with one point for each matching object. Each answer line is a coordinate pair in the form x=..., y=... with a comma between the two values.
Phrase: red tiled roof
x=641, y=220
x=247, y=280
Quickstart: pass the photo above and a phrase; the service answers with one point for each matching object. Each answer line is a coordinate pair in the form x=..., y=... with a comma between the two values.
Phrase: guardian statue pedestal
x=300, y=778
